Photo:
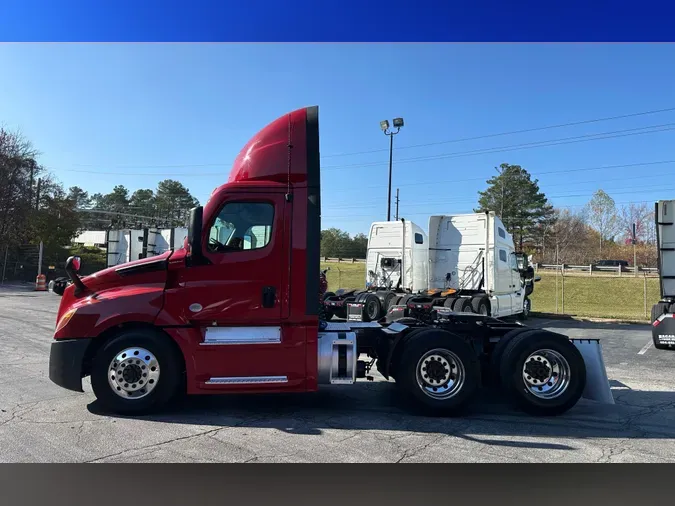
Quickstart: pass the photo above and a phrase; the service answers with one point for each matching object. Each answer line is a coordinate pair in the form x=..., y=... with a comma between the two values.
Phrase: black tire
x=527, y=306
x=513, y=360
x=498, y=352
x=328, y=294
x=445, y=344
x=658, y=309
x=167, y=386
x=480, y=305
x=462, y=305
x=373, y=307
x=389, y=301
x=396, y=300
x=449, y=302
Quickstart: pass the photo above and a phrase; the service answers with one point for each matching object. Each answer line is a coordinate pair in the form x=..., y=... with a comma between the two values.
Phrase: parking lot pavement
x=40, y=422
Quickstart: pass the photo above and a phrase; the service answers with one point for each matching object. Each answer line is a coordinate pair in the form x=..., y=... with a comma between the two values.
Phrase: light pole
x=384, y=125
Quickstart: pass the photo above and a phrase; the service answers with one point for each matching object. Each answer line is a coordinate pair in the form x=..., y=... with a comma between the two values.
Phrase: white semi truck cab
x=465, y=263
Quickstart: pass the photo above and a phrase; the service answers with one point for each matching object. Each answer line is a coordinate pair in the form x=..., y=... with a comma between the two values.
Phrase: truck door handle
x=268, y=296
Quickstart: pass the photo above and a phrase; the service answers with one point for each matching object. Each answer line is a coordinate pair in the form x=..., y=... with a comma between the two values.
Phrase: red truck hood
x=146, y=270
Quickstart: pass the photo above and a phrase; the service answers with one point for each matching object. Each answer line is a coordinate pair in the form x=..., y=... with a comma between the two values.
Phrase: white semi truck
x=465, y=263
x=663, y=312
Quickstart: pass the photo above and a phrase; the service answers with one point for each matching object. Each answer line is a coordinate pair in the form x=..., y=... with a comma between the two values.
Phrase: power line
x=443, y=156
x=516, y=147
x=450, y=141
x=341, y=215
x=512, y=132
x=561, y=171
x=467, y=200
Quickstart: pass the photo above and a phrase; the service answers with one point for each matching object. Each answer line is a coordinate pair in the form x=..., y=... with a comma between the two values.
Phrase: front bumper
x=65, y=362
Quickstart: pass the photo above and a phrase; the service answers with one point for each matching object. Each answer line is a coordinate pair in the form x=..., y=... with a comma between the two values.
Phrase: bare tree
x=602, y=216
x=568, y=234
x=639, y=214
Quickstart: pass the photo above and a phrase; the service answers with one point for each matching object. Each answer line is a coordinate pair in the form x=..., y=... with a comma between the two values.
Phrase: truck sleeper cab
x=235, y=310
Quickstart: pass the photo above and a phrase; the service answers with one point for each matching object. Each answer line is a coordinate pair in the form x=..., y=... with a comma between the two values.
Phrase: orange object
x=41, y=283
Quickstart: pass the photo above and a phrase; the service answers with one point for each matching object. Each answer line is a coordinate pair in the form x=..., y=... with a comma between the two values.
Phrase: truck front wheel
x=438, y=373
x=136, y=372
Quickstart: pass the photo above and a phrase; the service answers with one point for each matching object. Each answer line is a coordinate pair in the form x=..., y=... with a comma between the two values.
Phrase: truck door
x=240, y=300
x=517, y=289
x=503, y=281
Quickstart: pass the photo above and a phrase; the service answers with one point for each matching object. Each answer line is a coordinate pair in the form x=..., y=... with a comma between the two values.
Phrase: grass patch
x=594, y=296
x=344, y=275
x=587, y=296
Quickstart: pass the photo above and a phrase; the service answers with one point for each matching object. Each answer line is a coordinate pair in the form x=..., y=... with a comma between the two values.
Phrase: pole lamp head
x=384, y=125
x=398, y=122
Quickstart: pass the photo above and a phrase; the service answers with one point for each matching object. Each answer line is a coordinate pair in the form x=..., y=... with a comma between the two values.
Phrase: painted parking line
x=646, y=347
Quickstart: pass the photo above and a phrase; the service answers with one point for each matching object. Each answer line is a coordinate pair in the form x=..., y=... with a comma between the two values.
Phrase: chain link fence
x=623, y=297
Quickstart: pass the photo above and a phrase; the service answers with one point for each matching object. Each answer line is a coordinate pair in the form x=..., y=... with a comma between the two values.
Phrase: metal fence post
x=645, y=295
x=562, y=295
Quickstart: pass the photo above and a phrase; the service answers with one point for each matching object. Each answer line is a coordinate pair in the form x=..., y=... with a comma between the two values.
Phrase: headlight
x=65, y=319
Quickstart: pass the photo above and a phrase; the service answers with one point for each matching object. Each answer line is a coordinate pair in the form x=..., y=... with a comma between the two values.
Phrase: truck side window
x=501, y=233
x=514, y=262
x=502, y=255
x=419, y=239
x=241, y=226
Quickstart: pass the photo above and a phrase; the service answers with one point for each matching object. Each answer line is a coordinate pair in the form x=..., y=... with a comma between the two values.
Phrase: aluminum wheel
x=440, y=374
x=546, y=374
x=526, y=306
x=133, y=373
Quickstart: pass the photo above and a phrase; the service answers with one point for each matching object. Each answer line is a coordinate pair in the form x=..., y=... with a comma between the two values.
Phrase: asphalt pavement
x=40, y=422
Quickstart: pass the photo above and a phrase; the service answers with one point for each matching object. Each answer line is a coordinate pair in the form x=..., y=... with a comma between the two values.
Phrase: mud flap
x=597, y=383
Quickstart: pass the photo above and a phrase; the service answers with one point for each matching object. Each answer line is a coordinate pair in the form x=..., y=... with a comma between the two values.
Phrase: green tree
x=142, y=202
x=80, y=197
x=515, y=197
x=173, y=202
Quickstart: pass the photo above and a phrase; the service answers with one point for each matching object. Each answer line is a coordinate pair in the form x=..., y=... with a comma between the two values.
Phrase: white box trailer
x=466, y=263
x=663, y=312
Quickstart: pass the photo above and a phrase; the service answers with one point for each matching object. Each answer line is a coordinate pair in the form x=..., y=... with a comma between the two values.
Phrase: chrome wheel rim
x=483, y=310
x=526, y=306
x=133, y=373
x=440, y=374
x=546, y=374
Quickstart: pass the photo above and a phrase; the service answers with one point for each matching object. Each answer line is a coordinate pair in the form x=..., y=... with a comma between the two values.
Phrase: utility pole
x=397, y=204
x=384, y=125
x=30, y=188
x=37, y=194
x=40, y=258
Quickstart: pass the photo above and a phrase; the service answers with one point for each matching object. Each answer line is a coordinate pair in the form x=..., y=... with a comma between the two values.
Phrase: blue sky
x=133, y=114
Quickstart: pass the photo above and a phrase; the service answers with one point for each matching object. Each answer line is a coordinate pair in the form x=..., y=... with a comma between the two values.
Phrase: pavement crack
x=414, y=451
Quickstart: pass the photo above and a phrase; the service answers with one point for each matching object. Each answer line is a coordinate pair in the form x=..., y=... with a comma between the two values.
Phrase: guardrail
x=590, y=269
x=344, y=260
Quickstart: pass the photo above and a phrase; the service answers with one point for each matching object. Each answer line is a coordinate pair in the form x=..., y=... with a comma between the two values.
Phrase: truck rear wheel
x=544, y=373
x=480, y=305
x=372, y=307
x=438, y=372
x=136, y=372
x=462, y=305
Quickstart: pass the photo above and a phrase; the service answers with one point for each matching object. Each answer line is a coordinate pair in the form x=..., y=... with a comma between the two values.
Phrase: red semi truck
x=236, y=310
